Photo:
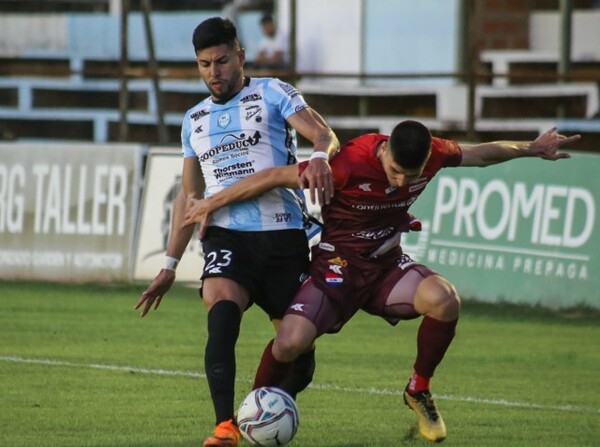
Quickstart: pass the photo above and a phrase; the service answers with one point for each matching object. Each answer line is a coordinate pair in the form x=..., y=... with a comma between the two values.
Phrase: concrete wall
x=46, y=33
x=338, y=36
x=504, y=24
x=585, y=33
x=333, y=36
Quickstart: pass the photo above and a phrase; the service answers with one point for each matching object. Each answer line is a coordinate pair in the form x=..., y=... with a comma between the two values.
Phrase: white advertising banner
x=68, y=211
x=161, y=184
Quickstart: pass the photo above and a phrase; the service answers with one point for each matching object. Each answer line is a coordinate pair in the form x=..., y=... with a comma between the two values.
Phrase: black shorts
x=271, y=265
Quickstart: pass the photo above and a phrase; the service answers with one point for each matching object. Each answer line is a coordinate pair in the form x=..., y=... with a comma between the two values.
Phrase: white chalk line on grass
x=375, y=391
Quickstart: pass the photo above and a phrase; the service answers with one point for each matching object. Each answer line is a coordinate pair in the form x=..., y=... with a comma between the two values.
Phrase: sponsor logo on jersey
x=333, y=279
x=224, y=120
x=336, y=269
x=384, y=206
x=198, y=129
x=365, y=186
x=289, y=89
x=338, y=261
x=252, y=111
x=239, y=169
x=300, y=108
x=374, y=235
x=405, y=261
x=199, y=114
x=239, y=142
x=417, y=184
x=325, y=246
x=298, y=307
x=282, y=217
x=390, y=190
x=251, y=97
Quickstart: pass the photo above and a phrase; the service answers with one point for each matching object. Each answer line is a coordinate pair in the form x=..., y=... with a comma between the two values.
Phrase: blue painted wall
x=411, y=36
x=400, y=36
x=96, y=36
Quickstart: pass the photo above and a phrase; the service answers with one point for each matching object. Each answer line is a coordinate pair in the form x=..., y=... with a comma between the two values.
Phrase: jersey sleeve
x=352, y=154
x=286, y=97
x=186, y=132
x=452, y=151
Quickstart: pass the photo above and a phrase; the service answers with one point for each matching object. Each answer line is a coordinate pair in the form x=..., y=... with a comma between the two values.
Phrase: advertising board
x=68, y=211
x=524, y=231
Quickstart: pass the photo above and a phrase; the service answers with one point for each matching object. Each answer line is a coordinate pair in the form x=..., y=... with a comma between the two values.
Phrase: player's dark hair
x=213, y=32
x=410, y=143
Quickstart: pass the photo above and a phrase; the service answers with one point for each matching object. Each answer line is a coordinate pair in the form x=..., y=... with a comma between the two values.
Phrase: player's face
x=221, y=69
x=269, y=29
x=397, y=175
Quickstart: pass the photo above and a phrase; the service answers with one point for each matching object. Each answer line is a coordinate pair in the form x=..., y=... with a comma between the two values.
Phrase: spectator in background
x=273, y=47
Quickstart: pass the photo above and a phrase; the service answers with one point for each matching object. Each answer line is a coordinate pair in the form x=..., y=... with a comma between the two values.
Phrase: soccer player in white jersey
x=254, y=251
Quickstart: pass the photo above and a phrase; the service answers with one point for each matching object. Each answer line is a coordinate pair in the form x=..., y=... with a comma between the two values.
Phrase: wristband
x=319, y=154
x=171, y=263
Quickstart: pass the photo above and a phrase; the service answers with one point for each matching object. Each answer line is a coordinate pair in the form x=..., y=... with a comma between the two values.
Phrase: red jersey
x=365, y=209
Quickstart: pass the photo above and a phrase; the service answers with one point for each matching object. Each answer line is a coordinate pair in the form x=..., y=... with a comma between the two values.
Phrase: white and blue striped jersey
x=247, y=134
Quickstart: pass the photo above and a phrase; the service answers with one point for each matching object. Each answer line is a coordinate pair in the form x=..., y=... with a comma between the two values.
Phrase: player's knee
x=287, y=347
x=450, y=304
x=438, y=298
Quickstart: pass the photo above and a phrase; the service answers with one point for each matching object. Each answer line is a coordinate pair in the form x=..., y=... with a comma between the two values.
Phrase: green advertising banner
x=525, y=231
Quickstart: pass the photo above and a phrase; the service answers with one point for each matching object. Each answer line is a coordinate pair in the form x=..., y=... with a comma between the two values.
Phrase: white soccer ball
x=268, y=417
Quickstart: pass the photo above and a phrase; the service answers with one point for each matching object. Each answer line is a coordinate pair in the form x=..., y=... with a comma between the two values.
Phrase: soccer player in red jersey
x=359, y=264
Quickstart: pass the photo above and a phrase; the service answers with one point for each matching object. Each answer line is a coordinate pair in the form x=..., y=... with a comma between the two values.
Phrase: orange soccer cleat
x=227, y=434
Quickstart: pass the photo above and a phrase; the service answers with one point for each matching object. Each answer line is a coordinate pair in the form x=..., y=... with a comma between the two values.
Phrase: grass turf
x=78, y=367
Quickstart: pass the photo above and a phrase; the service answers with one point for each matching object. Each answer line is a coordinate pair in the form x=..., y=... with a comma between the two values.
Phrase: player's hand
x=197, y=211
x=155, y=292
x=317, y=177
x=547, y=145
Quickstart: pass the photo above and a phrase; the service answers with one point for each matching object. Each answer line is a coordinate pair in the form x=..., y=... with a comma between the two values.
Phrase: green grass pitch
x=79, y=367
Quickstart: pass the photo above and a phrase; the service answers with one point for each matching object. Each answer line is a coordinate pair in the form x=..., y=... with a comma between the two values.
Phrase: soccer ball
x=268, y=417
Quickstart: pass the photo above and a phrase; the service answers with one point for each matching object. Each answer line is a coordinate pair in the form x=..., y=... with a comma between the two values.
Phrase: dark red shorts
x=342, y=284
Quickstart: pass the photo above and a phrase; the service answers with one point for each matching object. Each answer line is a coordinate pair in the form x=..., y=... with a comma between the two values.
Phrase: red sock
x=271, y=371
x=417, y=383
x=433, y=339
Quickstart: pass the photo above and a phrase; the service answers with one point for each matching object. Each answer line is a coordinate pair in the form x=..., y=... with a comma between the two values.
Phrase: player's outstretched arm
x=546, y=146
x=192, y=186
x=198, y=211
